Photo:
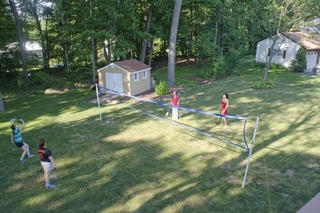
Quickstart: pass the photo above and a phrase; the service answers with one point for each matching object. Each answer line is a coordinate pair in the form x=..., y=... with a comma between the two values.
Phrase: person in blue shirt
x=16, y=138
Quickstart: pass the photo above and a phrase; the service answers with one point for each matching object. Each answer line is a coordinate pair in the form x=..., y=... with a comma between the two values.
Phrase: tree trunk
x=47, y=45
x=33, y=9
x=216, y=26
x=21, y=40
x=105, y=53
x=147, y=30
x=151, y=52
x=109, y=45
x=222, y=30
x=1, y=103
x=63, y=43
x=172, y=43
x=269, y=58
x=93, y=58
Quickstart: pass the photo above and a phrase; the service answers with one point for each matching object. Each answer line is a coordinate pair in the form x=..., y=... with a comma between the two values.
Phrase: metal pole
x=98, y=100
x=250, y=152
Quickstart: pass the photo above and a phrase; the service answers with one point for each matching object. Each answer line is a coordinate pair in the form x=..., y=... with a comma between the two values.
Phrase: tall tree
x=93, y=50
x=1, y=102
x=147, y=30
x=60, y=15
x=20, y=37
x=8, y=35
x=39, y=10
x=173, y=42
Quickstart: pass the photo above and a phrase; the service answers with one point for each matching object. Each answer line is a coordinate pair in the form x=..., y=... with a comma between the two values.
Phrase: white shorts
x=46, y=165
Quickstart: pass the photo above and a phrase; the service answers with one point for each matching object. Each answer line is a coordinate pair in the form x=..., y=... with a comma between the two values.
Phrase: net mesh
x=198, y=121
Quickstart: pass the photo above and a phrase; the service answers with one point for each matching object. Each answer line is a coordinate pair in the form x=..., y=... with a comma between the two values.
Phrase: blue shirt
x=17, y=137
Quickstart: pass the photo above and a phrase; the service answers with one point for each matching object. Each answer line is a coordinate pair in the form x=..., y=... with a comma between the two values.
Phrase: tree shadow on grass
x=104, y=169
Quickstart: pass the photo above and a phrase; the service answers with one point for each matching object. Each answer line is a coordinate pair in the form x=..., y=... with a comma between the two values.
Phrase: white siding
x=290, y=48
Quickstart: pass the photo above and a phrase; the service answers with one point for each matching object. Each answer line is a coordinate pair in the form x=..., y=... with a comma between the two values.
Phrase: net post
x=250, y=152
x=98, y=101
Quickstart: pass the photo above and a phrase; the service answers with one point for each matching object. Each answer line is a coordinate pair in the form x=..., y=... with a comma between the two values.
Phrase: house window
x=276, y=52
x=284, y=52
x=136, y=77
x=144, y=74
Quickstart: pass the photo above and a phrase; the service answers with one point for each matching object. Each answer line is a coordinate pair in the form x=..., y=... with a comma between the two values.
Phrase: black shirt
x=44, y=154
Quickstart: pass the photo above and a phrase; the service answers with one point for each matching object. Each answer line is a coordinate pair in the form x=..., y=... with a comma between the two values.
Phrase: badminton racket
x=54, y=174
x=167, y=113
x=13, y=119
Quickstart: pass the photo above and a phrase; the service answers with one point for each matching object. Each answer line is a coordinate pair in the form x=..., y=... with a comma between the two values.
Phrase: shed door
x=114, y=82
x=311, y=59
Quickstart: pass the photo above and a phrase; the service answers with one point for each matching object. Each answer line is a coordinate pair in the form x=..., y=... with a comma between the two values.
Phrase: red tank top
x=223, y=107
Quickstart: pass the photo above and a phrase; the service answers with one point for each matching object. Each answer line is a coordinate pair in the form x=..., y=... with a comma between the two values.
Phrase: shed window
x=136, y=77
x=144, y=74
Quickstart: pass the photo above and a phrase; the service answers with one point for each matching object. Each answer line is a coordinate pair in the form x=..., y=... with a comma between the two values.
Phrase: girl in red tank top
x=224, y=106
x=175, y=99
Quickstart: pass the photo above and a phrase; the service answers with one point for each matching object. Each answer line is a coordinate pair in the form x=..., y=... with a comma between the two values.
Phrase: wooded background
x=82, y=36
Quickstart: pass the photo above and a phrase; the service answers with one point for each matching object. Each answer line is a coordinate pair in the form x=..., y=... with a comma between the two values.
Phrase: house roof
x=306, y=40
x=132, y=65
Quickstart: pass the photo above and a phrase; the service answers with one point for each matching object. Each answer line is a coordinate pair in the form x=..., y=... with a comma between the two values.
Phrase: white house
x=32, y=48
x=287, y=47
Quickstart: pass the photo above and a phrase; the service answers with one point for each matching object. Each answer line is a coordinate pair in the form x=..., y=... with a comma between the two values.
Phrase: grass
x=141, y=164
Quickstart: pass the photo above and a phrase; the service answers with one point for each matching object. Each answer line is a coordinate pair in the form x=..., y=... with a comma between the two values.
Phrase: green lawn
x=142, y=164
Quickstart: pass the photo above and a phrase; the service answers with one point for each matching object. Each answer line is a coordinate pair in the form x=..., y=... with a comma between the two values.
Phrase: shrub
x=232, y=60
x=207, y=72
x=186, y=82
x=42, y=79
x=276, y=66
x=299, y=64
x=263, y=85
x=162, y=88
x=219, y=69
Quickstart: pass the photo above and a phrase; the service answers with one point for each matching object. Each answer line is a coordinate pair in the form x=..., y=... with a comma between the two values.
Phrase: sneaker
x=30, y=156
x=50, y=186
x=22, y=160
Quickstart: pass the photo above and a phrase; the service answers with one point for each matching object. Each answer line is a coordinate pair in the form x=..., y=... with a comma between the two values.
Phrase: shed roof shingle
x=132, y=65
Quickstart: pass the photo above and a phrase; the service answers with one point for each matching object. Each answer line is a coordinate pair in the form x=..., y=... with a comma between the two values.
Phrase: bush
x=232, y=60
x=207, y=72
x=300, y=63
x=263, y=85
x=42, y=79
x=162, y=88
x=186, y=82
x=272, y=65
x=217, y=70
x=276, y=66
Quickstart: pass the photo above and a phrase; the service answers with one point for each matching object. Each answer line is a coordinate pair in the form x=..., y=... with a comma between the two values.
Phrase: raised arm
x=23, y=124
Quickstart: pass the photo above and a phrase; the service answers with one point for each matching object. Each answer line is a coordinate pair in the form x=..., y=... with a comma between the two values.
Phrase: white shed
x=131, y=77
